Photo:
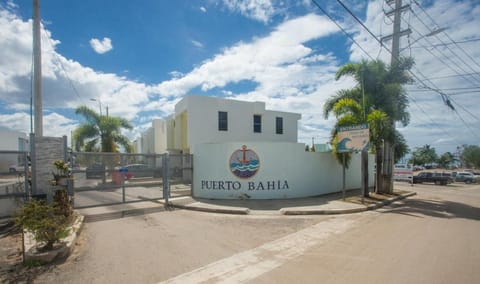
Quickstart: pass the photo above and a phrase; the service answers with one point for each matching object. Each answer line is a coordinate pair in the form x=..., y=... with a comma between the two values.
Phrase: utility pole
x=37, y=70
x=389, y=147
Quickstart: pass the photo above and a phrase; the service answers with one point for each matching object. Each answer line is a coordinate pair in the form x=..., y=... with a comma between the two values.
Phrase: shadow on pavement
x=277, y=204
x=435, y=208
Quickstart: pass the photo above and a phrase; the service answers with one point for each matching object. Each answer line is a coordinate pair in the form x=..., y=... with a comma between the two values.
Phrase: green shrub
x=44, y=221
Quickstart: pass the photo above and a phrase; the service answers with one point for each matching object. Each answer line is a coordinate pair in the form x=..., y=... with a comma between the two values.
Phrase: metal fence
x=101, y=179
x=14, y=181
x=113, y=178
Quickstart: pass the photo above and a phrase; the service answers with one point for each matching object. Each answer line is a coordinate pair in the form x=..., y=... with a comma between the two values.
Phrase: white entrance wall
x=285, y=171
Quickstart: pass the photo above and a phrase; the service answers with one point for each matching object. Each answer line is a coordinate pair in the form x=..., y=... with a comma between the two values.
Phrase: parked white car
x=465, y=177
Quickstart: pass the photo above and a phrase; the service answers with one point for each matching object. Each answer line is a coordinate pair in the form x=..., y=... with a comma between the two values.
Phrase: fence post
x=65, y=148
x=122, y=175
x=33, y=160
x=166, y=185
x=26, y=173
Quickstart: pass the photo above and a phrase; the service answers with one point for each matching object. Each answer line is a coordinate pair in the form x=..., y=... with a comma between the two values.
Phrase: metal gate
x=112, y=178
x=14, y=182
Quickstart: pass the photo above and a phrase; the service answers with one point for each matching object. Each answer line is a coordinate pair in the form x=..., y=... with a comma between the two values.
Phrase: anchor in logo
x=244, y=163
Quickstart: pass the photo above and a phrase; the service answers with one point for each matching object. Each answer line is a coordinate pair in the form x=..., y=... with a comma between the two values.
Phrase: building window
x=257, y=123
x=222, y=121
x=279, y=125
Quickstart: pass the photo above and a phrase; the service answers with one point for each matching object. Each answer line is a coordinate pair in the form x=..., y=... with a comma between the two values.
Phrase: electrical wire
x=444, y=96
x=431, y=19
x=342, y=29
x=450, y=43
x=448, y=48
x=57, y=59
x=450, y=76
x=382, y=45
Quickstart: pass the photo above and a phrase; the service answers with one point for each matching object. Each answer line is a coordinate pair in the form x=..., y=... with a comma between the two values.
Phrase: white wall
x=306, y=173
x=9, y=141
x=154, y=139
x=202, y=116
x=160, y=136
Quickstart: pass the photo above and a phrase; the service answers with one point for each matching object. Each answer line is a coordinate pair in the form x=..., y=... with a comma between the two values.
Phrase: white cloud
x=203, y=9
x=260, y=10
x=101, y=46
x=281, y=66
x=270, y=61
x=432, y=121
x=197, y=43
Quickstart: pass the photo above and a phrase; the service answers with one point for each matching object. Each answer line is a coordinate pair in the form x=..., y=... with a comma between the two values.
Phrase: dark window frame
x=222, y=121
x=257, y=125
x=279, y=125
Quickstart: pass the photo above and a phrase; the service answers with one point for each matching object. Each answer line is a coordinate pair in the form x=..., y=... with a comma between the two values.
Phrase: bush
x=44, y=220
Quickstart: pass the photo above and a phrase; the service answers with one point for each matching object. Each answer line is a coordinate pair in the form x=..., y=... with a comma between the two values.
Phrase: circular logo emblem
x=244, y=163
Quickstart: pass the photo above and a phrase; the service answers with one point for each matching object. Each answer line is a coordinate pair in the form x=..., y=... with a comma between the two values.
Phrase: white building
x=153, y=140
x=11, y=140
x=244, y=151
x=200, y=119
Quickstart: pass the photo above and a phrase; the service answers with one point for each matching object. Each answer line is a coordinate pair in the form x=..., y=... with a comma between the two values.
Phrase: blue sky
x=141, y=57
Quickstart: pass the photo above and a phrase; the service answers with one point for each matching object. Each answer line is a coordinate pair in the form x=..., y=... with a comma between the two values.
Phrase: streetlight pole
x=99, y=105
x=37, y=71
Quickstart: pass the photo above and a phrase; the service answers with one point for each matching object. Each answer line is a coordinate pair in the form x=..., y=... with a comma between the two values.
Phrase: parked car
x=451, y=179
x=432, y=177
x=139, y=171
x=465, y=177
x=95, y=171
x=16, y=169
x=418, y=168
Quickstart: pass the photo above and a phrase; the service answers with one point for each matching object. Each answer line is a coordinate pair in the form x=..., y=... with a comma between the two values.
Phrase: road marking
x=250, y=264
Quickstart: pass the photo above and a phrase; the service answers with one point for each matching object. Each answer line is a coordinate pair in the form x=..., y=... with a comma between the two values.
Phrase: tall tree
x=423, y=155
x=378, y=87
x=471, y=156
x=100, y=132
x=445, y=159
x=350, y=112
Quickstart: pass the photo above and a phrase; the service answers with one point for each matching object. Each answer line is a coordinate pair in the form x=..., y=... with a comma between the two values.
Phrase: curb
x=287, y=211
x=292, y=211
x=224, y=210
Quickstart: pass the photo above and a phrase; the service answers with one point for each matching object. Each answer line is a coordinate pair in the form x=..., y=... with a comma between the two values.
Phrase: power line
x=433, y=21
x=450, y=76
x=450, y=43
x=341, y=28
x=431, y=120
x=444, y=96
x=441, y=52
x=382, y=45
x=57, y=59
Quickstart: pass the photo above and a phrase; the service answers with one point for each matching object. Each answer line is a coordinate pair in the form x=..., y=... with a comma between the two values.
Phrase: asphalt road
x=429, y=238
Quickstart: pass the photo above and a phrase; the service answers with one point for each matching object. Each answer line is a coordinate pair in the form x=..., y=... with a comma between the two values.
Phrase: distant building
x=153, y=140
x=11, y=140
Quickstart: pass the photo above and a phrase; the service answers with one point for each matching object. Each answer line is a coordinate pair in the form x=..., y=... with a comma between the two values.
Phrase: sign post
x=123, y=171
x=353, y=138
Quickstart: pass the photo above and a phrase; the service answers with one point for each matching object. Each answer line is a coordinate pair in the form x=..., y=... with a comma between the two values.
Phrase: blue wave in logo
x=245, y=170
x=250, y=166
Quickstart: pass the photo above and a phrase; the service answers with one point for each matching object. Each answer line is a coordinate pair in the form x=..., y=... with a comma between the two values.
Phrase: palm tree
x=379, y=92
x=349, y=112
x=100, y=133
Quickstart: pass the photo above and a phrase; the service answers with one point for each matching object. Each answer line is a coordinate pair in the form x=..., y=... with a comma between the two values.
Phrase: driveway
x=429, y=238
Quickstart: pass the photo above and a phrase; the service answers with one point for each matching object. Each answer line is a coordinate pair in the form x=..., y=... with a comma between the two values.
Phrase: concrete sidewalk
x=325, y=204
